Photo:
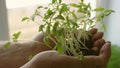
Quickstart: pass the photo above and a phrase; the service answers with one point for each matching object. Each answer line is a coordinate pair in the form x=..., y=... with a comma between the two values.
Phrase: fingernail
x=108, y=42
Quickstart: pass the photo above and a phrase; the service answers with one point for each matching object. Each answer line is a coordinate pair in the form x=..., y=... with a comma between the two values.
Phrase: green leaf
x=25, y=18
x=99, y=9
x=59, y=48
x=30, y=57
x=41, y=27
x=90, y=22
x=48, y=29
x=53, y=1
x=100, y=17
x=103, y=26
x=60, y=32
x=67, y=21
x=60, y=1
x=89, y=6
x=39, y=7
x=92, y=26
x=64, y=8
x=46, y=16
x=108, y=12
x=49, y=13
x=15, y=36
x=45, y=7
x=33, y=17
x=82, y=0
x=73, y=22
x=60, y=17
x=7, y=44
x=81, y=56
x=74, y=15
x=75, y=5
x=55, y=27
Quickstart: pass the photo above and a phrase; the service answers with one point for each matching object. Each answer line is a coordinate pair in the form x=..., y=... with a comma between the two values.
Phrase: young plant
x=14, y=39
x=67, y=26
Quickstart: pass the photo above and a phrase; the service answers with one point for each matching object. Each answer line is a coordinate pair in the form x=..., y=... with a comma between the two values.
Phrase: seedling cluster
x=67, y=25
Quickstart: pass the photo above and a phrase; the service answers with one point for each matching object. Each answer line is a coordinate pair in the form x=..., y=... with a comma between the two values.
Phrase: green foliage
x=30, y=57
x=63, y=22
x=102, y=12
x=6, y=45
x=99, y=9
x=59, y=48
x=25, y=19
x=114, y=61
x=15, y=39
x=41, y=28
x=53, y=1
x=16, y=36
x=81, y=56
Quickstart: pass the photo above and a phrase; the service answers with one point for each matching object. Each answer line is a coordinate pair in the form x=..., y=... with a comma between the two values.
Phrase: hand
x=39, y=41
x=51, y=59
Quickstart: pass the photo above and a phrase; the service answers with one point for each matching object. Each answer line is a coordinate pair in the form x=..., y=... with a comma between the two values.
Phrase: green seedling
x=69, y=24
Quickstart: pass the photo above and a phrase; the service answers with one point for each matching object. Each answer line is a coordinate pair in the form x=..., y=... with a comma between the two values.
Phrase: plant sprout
x=68, y=23
x=14, y=39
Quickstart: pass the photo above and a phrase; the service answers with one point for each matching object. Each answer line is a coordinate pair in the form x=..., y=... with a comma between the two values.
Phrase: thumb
x=39, y=37
x=105, y=51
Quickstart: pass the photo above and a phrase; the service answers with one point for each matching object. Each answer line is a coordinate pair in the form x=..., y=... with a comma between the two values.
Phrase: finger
x=93, y=62
x=39, y=37
x=93, y=31
x=95, y=50
x=97, y=36
x=99, y=43
x=105, y=51
x=97, y=46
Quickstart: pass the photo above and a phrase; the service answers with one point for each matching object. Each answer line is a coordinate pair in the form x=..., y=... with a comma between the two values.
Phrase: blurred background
x=12, y=11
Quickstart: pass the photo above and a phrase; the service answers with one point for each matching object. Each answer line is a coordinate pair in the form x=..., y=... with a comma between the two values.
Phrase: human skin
x=51, y=59
x=16, y=55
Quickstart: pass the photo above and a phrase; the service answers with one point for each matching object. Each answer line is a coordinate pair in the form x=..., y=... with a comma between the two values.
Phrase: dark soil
x=89, y=45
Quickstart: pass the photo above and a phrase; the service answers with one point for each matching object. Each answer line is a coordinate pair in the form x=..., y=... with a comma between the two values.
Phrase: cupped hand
x=51, y=59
